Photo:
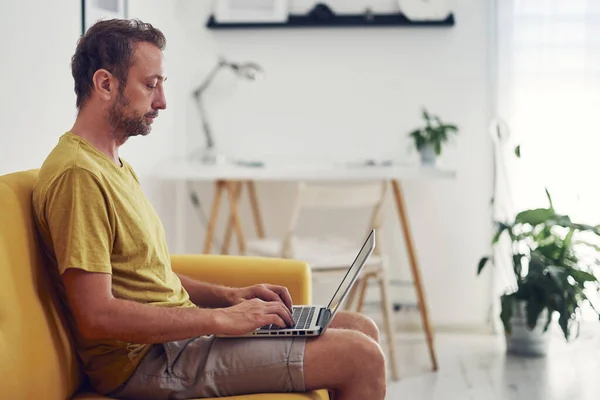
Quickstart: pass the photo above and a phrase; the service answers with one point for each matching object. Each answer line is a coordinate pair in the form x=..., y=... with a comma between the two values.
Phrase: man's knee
x=371, y=356
x=340, y=357
x=358, y=322
x=370, y=327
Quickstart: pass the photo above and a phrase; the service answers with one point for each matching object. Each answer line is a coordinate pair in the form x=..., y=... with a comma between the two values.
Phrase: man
x=142, y=331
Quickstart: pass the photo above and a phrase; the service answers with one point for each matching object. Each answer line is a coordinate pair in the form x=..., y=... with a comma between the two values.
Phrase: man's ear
x=104, y=84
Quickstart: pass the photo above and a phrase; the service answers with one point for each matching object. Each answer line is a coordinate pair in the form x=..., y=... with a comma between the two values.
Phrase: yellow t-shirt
x=93, y=215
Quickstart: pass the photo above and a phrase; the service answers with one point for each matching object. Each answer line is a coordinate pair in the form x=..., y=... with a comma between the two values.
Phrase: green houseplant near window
x=551, y=268
x=429, y=139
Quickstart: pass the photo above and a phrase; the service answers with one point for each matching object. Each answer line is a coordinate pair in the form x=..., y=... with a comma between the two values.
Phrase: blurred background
x=506, y=73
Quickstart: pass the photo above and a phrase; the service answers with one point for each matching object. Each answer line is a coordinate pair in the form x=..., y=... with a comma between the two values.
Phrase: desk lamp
x=249, y=71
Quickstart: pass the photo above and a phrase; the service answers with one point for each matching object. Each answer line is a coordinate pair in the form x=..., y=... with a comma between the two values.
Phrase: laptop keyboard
x=302, y=317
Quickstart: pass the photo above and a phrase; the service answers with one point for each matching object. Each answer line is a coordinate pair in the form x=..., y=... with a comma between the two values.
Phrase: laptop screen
x=352, y=273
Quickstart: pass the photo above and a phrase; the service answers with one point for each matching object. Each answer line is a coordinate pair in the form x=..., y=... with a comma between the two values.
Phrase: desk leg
x=232, y=191
x=210, y=229
x=231, y=221
x=400, y=205
x=260, y=230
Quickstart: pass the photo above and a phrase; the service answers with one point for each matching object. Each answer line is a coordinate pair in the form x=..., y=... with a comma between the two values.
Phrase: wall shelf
x=337, y=21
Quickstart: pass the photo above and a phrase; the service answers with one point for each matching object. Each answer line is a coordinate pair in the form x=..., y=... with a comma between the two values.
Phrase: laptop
x=313, y=320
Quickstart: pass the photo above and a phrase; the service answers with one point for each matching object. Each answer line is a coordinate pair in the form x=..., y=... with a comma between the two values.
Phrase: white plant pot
x=428, y=156
x=522, y=340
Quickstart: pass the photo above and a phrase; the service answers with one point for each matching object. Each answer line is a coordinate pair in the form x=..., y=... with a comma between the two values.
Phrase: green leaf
x=565, y=221
x=584, y=228
x=582, y=276
x=562, y=220
x=535, y=217
x=415, y=134
x=518, y=151
x=449, y=127
x=499, y=230
x=482, y=263
x=426, y=115
x=583, y=242
x=566, y=245
x=549, y=198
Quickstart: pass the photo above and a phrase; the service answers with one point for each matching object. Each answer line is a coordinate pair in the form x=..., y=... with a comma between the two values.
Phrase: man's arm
x=101, y=316
x=208, y=295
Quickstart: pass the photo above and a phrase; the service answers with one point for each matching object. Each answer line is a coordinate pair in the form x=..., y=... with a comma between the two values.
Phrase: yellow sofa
x=37, y=359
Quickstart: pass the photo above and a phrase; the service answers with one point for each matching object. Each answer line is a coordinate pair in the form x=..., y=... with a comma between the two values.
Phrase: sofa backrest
x=37, y=358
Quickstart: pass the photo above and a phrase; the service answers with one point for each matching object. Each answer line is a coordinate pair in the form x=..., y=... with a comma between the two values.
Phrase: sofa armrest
x=240, y=271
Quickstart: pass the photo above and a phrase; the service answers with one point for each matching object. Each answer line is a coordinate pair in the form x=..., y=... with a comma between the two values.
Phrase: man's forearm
x=134, y=322
x=206, y=294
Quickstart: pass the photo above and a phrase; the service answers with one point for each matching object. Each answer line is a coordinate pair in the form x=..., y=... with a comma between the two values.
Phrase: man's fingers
x=279, y=309
x=275, y=319
x=283, y=294
x=267, y=295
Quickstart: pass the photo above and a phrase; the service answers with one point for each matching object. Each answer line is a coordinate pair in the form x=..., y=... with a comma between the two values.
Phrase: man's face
x=137, y=104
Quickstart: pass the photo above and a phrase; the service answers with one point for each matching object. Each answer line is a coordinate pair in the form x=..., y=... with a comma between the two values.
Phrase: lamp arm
x=210, y=142
x=222, y=63
x=209, y=78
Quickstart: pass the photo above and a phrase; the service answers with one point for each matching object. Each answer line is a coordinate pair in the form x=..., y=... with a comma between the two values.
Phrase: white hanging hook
x=499, y=131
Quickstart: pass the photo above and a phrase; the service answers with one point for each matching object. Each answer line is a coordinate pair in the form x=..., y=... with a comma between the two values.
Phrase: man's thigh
x=216, y=367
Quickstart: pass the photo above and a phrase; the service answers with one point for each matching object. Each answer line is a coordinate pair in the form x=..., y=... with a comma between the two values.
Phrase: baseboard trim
x=416, y=326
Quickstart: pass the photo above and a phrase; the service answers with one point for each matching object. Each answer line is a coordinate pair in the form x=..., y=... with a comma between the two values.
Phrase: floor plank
x=477, y=367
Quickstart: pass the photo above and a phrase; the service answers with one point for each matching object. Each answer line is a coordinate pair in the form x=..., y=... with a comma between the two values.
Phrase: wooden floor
x=477, y=367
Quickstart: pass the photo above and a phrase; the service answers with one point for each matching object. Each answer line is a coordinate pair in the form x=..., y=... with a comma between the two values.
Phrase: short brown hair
x=109, y=44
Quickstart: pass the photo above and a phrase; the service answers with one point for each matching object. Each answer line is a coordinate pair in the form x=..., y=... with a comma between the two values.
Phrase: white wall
x=343, y=93
x=352, y=94
x=37, y=103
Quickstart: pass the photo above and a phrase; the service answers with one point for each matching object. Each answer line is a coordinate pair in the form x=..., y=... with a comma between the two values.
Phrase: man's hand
x=264, y=292
x=249, y=315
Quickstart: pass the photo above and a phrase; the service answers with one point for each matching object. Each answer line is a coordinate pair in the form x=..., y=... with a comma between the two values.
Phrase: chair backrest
x=37, y=358
x=339, y=196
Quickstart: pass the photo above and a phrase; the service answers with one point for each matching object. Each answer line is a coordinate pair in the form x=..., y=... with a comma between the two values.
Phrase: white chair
x=330, y=255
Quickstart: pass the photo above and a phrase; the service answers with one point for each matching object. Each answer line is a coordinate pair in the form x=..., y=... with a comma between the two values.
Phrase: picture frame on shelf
x=250, y=11
x=424, y=10
x=95, y=10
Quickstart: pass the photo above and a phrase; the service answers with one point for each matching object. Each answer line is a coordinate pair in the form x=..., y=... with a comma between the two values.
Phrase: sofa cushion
x=37, y=360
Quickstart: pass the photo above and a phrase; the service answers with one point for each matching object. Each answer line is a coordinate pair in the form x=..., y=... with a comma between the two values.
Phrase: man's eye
x=151, y=86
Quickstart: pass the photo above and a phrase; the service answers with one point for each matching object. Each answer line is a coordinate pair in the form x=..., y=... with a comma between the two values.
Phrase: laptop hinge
x=323, y=316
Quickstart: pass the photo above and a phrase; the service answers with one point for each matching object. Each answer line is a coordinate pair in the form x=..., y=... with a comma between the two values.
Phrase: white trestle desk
x=232, y=179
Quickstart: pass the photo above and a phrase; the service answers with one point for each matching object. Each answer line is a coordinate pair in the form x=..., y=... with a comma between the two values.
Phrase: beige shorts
x=214, y=367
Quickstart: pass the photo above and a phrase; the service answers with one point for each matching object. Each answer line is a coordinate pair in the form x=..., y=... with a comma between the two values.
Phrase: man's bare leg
x=348, y=362
x=356, y=322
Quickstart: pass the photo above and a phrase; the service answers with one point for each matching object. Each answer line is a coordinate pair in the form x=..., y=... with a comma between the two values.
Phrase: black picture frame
x=94, y=10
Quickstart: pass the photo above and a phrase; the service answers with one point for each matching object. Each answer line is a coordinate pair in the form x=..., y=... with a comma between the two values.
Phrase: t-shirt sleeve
x=79, y=219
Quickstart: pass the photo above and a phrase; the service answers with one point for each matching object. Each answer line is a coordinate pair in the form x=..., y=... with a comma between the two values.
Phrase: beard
x=127, y=122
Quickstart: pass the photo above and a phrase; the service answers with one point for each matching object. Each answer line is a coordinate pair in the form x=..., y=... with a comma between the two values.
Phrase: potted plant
x=553, y=260
x=428, y=140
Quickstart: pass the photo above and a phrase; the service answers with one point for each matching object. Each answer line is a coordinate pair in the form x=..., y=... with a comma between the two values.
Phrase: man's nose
x=160, y=102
